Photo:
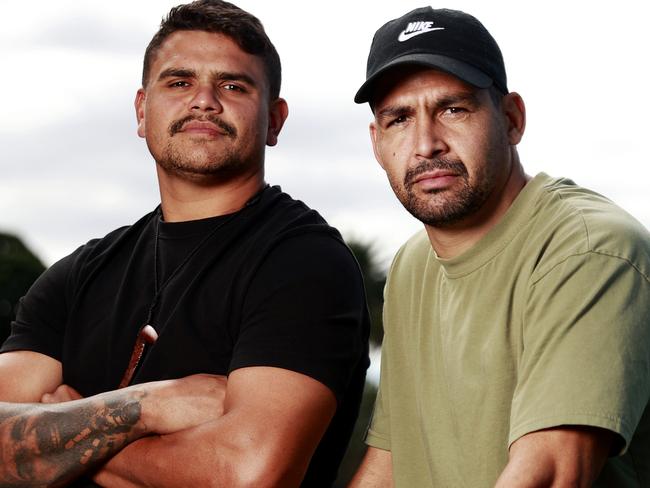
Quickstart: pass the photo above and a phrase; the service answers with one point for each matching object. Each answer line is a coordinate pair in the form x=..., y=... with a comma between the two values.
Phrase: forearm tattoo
x=50, y=445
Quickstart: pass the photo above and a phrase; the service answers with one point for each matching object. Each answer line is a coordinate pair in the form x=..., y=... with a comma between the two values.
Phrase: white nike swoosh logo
x=403, y=36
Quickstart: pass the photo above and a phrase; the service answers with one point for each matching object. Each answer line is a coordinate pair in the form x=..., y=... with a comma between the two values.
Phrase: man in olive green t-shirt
x=517, y=323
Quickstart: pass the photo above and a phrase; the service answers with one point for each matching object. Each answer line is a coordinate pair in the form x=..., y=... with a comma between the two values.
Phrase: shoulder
x=571, y=221
x=96, y=249
x=411, y=257
x=314, y=258
x=290, y=234
x=277, y=212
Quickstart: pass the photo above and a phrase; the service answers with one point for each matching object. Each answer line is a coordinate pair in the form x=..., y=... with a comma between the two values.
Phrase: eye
x=179, y=84
x=455, y=110
x=454, y=114
x=233, y=87
x=400, y=119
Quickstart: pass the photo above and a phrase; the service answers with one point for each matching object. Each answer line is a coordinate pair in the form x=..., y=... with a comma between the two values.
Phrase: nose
x=430, y=141
x=205, y=99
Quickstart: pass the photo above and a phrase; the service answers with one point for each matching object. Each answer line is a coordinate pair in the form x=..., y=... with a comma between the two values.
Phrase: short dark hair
x=224, y=18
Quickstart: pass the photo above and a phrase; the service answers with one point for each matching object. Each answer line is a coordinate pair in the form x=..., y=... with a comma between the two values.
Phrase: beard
x=442, y=207
x=200, y=160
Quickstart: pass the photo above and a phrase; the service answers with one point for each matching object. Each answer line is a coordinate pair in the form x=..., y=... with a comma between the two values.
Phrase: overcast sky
x=72, y=167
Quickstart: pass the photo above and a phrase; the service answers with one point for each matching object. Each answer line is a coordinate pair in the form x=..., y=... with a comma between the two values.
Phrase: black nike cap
x=448, y=40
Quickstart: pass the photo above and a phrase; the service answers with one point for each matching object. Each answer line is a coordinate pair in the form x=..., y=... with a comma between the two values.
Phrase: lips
x=437, y=181
x=202, y=127
x=210, y=125
x=433, y=175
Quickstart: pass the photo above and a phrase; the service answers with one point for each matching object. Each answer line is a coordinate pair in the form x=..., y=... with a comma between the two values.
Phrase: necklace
x=147, y=335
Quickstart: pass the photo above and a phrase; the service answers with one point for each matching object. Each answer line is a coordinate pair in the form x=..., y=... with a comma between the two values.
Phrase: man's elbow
x=273, y=469
x=254, y=468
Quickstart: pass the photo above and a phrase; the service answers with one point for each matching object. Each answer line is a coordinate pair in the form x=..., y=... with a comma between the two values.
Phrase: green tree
x=374, y=278
x=19, y=267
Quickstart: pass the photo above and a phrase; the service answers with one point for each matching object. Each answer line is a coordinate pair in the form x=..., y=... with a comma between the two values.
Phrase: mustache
x=227, y=129
x=454, y=165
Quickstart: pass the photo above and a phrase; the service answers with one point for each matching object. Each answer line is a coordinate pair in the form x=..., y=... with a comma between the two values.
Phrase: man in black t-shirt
x=123, y=348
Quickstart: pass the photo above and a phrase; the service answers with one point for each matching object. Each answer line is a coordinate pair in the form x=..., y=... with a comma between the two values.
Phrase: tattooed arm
x=265, y=438
x=51, y=444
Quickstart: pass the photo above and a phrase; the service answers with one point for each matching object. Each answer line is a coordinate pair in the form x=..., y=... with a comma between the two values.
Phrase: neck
x=454, y=240
x=185, y=199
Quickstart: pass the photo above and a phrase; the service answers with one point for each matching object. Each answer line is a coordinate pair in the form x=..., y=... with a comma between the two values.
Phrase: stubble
x=441, y=207
x=200, y=159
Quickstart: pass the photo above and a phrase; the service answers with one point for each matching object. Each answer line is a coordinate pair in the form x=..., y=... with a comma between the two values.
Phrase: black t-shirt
x=271, y=285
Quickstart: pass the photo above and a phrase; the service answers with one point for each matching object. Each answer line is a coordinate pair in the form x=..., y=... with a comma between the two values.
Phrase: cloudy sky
x=72, y=167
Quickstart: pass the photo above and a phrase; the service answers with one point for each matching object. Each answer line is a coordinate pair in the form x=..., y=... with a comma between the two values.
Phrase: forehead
x=414, y=82
x=205, y=51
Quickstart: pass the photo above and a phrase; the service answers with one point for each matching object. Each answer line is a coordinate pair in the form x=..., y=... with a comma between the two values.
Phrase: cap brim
x=464, y=71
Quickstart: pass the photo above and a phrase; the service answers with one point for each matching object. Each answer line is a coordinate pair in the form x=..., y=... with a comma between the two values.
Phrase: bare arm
x=375, y=471
x=273, y=421
x=561, y=457
x=51, y=444
x=25, y=376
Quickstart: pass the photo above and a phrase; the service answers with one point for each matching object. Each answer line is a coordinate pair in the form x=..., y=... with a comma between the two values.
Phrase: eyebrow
x=227, y=75
x=177, y=72
x=393, y=111
x=470, y=98
x=216, y=75
x=463, y=97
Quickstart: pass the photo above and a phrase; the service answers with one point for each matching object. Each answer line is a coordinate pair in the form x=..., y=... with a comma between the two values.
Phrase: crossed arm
x=52, y=444
x=273, y=420
x=174, y=431
x=570, y=457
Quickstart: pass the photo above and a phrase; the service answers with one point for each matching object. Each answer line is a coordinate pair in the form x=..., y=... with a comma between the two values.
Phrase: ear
x=373, y=137
x=278, y=113
x=515, y=112
x=140, y=103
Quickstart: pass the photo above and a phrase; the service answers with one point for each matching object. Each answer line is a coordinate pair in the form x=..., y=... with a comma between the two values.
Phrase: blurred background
x=72, y=167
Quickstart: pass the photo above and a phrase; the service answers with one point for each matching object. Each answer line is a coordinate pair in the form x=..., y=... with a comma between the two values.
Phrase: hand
x=173, y=405
x=63, y=393
x=266, y=437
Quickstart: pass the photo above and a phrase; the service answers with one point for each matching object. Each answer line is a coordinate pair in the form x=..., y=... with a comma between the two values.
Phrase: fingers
x=172, y=405
x=215, y=390
x=63, y=393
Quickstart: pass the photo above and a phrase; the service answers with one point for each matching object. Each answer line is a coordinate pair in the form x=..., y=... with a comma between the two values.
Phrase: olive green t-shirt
x=544, y=322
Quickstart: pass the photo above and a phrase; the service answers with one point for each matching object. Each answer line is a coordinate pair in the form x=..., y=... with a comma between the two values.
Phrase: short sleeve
x=305, y=311
x=586, y=348
x=42, y=312
x=378, y=434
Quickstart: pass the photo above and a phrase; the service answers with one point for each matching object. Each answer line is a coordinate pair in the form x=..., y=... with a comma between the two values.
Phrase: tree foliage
x=19, y=267
x=375, y=278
